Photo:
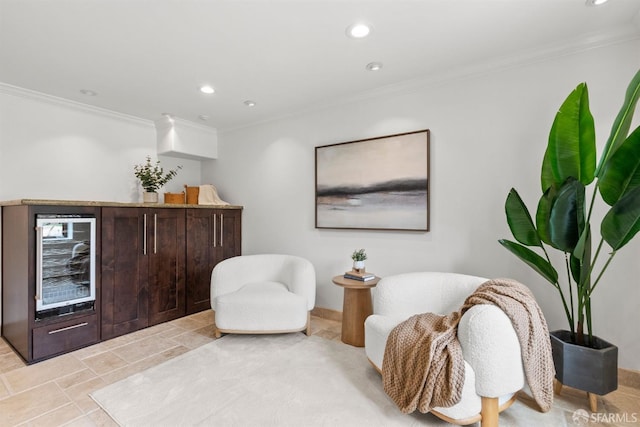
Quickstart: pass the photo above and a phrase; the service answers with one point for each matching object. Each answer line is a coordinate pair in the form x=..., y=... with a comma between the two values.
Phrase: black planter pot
x=592, y=369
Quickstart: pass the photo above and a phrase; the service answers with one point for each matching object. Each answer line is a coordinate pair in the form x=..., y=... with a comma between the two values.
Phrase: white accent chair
x=493, y=364
x=263, y=294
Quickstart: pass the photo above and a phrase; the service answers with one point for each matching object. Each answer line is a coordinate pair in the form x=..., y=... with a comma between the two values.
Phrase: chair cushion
x=261, y=306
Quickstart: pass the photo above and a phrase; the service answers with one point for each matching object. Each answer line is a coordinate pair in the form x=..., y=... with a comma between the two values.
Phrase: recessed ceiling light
x=88, y=92
x=596, y=2
x=374, y=66
x=207, y=89
x=358, y=31
x=249, y=103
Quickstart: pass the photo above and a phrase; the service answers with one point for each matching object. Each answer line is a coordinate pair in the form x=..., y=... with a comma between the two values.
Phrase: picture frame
x=378, y=183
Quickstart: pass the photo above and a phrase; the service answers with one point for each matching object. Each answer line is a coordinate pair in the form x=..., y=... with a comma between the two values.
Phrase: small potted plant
x=358, y=256
x=153, y=177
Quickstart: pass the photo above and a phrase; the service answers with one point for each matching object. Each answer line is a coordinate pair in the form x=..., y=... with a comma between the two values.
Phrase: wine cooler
x=65, y=264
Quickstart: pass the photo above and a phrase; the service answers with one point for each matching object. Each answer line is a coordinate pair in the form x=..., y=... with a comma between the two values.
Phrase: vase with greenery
x=358, y=256
x=153, y=177
x=572, y=184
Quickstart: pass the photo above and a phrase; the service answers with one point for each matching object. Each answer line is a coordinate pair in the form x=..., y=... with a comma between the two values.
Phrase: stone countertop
x=43, y=202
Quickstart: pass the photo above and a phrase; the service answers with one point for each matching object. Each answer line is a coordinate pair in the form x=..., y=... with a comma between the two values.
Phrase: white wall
x=488, y=134
x=56, y=149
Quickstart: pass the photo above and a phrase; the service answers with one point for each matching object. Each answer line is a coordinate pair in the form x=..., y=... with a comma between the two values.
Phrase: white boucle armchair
x=493, y=364
x=262, y=294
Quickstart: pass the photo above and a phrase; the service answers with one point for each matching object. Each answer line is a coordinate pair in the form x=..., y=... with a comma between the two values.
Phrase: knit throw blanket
x=423, y=367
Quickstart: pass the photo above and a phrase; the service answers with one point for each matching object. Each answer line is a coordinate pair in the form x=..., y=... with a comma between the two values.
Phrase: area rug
x=259, y=380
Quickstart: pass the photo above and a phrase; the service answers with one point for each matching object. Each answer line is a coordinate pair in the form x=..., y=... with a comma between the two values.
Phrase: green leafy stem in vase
x=359, y=255
x=152, y=176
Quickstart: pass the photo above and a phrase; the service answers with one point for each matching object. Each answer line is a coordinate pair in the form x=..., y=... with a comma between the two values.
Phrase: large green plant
x=563, y=217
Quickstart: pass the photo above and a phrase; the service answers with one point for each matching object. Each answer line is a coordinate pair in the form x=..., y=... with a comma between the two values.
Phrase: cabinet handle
x=221, y=230
x=79, y=325
x=144, y=235
x=215, y=229
x=155, y=233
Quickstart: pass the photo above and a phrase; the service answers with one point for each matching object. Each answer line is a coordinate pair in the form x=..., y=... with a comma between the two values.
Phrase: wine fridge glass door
x=66, y=261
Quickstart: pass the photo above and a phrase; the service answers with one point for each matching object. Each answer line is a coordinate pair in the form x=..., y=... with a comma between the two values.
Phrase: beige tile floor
x=56, y=392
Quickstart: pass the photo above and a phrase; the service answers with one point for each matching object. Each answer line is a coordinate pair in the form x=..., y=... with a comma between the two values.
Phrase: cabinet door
x=228, y=244
x=166, y=251
x=212, y=235
x=200, y=258
x=125, y=266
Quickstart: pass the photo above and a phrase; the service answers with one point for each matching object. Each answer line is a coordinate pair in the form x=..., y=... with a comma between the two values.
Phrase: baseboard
x=326, y=313
x=629, y=378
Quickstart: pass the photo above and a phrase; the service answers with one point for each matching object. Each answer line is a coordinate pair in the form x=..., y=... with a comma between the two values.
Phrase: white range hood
x=185, y=139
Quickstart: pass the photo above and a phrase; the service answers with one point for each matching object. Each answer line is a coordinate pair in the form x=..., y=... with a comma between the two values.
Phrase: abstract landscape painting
x=378, y=183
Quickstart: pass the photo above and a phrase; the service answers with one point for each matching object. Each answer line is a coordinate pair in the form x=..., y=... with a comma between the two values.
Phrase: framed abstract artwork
x=377, y=184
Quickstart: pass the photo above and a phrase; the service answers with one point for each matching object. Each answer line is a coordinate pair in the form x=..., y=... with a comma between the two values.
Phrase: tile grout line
x=6, y=384
x=70, y=402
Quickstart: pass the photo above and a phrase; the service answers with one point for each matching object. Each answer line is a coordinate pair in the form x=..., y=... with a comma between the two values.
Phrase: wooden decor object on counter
x=192, y=194
x=174, y=198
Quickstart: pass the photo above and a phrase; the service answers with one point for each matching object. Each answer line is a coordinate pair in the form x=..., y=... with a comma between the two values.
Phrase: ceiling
x=149, y=57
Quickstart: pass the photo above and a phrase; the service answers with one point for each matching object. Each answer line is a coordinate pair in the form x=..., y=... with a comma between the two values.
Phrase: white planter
x=358, y=265
x=149, y=197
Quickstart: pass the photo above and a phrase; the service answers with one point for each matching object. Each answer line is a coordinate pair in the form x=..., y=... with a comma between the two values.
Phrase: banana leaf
x=571, y=151
x=543, y=214
x=622, y=222
x=622, y=123
x=621, y=173
x=566, y=219
x=532, y=259
x=560, y=215
x=520, y=221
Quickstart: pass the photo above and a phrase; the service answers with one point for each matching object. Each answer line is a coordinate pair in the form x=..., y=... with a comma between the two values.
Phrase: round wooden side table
x=356, y=307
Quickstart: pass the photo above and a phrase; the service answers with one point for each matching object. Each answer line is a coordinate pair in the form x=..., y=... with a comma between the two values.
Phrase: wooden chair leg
x=308, y=323
x=557, y=387
x=216, y=331
x=489, y=412
x=593, y=402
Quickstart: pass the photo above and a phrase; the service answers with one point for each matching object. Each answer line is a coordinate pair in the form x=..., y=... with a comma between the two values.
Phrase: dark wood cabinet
x=152, y=264
x=212, y=235
x=157, y=262
x=37, y=338
x=124, y=272
x=143, y=268
x=167, y=273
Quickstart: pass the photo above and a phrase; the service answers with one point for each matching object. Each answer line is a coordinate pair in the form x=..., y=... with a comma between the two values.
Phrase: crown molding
x=21, y=92
x=624, y=34
x=554, y=51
